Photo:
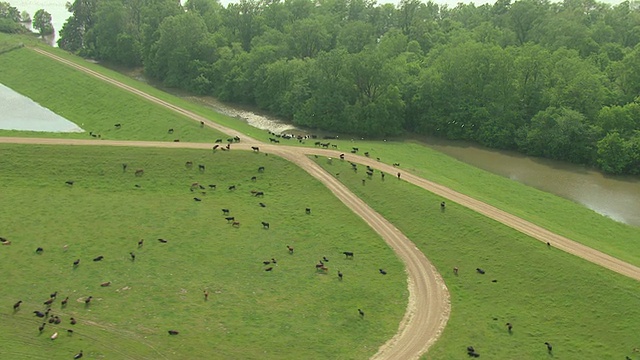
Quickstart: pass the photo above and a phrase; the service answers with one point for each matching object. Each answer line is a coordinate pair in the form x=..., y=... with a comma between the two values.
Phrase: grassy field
x=554, y=213
x=584, y=311
x=292, y=312
x=92, y=104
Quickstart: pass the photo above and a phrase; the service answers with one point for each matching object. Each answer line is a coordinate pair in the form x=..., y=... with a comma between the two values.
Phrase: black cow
x=480, y=271
x=201, y=167
x=212, y=186
x=259, y=193
x=69, y=182
x=262, y=205
x=173, y=332
x=17, y=305
x=133, y=256
x=265, y=225
x=261, y=169
x=348, y=254
x=163, y=241
x=307, y=210
x=170, y=131
x=76, y=263
x=225, y=211
x=230, y=218
x=38, y=250
x=361, y=312
x=117, y=126
x=255, y=148
x=549, y=347
x=99, y=258
x=232, y=187
x=218, y=141
x=78, y=355
x=197, y=199
x=341, y=156
x=382, y=272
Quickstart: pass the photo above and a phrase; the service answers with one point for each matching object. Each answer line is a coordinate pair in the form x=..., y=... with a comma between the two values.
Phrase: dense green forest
x=557, y=80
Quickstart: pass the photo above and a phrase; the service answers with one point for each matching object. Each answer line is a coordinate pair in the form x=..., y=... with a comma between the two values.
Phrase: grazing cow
x=215, y=147
x=99, y=258
x=348, y=254
x=228, y=147
x=396, y=164
x=139, y=172
x=509, y=327
x=232, y=187
x=366, y=154
x=124, y=167
x=38, y=250
x=262, y=205
x=363, y=182
x=236, y=139
x=472, y=352
x=188, y=164
x=69, y=182
x=49, y=302
x=201, y=167
x=176, y=140
x=334, y=146
x=290, y=249
x=170, y=131
x=339, y=275
x=265, y=225
x=229, y=140
x=6, y=242
x=65, y=301
x=274, y=261
x=140, y=243
x=88, y=300
x=70, y=332
x=361, y=312
x=225, y=211
x=382, y=272
x=163, y=241
x=549, y=347
x=455, y=270
x=235, y=224
x=39, y=314
x=229, y=218
x=255, y=148
x=218, y=141
x=173, y=332
x=261, y=169
x=323, y=268
x=259, y=193
x=548, y=244
x=78, y=355
x=212, y=186
x=266, y=262
x=398, y=176
x=201, y=123
x=355, y=149
x=341, y=156
x=17, y=305
x=54, y=336
x=442, y=205
x=118, y=126
x=307, y=210
x=41, y=327
x=319, y=264
x=206, y=295
x=480, y=271
x=382, y=176
x=73, y=321
x=197, y=199
x=269, y=268
x=57, y=320
x=324, y=258
x=105, y=284
x=76, y=263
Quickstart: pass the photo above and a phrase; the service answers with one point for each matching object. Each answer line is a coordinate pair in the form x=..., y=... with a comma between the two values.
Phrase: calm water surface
x=18, y=112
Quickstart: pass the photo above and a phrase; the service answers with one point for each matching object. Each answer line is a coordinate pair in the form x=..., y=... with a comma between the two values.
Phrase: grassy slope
x=585, y=311
x=290, y=313
x=92, y=104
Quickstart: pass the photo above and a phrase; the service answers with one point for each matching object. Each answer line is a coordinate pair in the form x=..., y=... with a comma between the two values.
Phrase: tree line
x=557, y=80
x=11, y=20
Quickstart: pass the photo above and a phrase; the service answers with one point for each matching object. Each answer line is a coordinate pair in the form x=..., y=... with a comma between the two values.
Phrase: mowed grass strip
x=583, y=310
x=291, y=312
x=92, y=104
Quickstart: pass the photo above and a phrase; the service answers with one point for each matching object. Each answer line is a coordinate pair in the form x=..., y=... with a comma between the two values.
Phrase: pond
x=18, y=112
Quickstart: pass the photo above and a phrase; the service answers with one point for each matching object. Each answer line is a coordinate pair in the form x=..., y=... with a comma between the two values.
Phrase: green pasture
x=583, y=310
x=552, y=212
x=292, y=312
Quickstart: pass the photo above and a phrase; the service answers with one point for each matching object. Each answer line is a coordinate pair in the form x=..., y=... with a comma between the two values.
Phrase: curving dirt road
x=428, y=308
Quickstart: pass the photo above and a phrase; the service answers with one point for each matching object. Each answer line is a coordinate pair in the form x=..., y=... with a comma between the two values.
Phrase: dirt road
x=429, y=307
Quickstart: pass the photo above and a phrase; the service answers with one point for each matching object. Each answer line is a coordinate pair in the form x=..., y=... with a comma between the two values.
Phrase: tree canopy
x=559, y=80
